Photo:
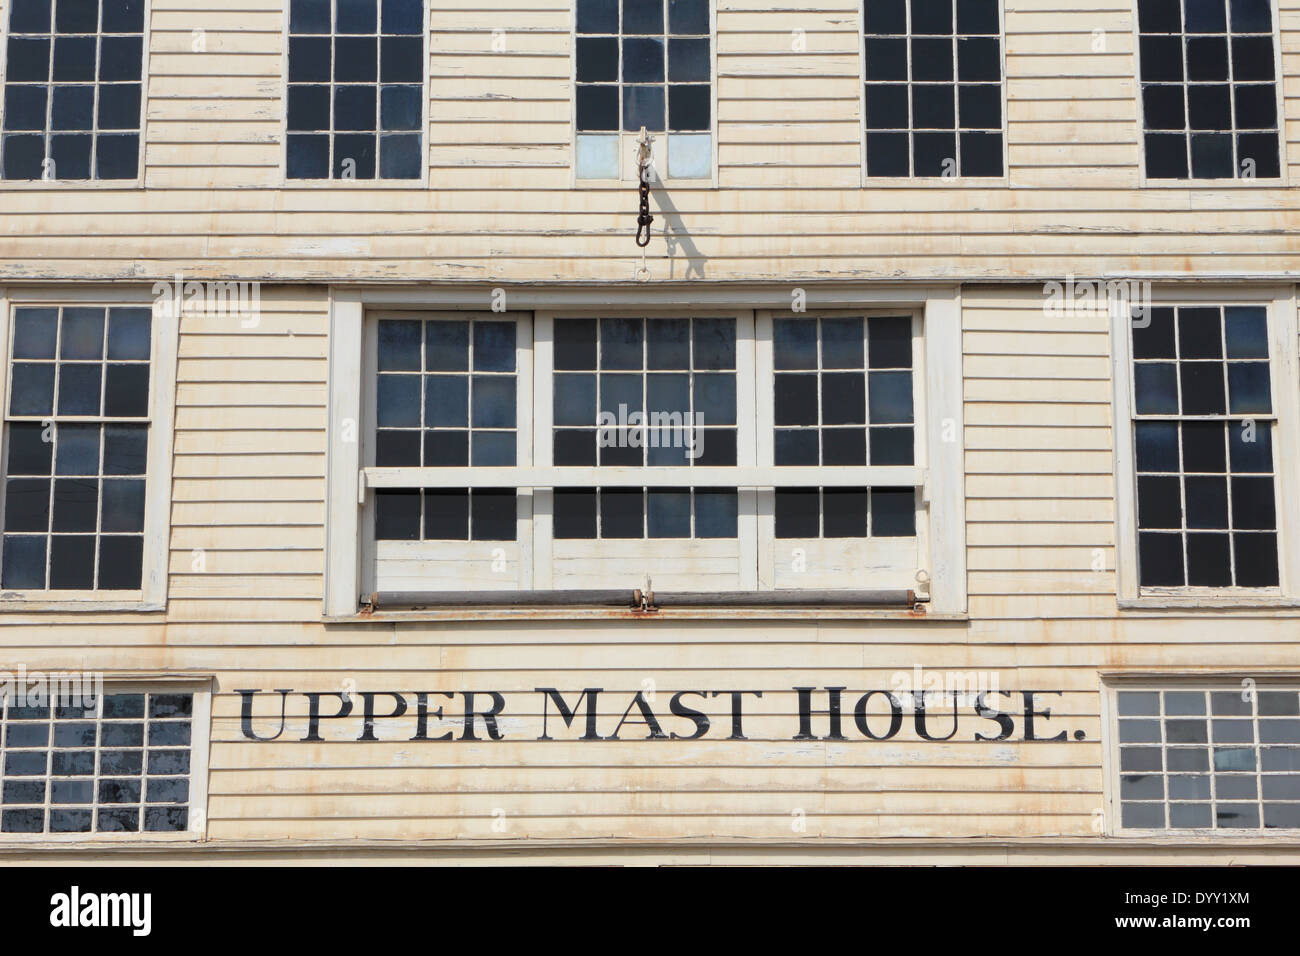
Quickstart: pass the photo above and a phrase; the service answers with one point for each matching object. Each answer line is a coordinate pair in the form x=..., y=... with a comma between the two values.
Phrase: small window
x=1209, y=89
x=1204, y=432
x=1222, y=758
x=73, y=90
x=643, y=63
x=356, y=89
x=128, y=762
x=933, y=100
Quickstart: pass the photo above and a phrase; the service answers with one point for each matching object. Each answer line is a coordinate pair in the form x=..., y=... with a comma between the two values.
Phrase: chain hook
x=643, y=219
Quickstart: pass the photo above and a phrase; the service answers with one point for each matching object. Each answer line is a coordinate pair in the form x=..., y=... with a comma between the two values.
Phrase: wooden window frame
x=152, y=594
x=939, y=472
x=92, y=183
x=200, y=747
x=1284, y=374
x=627, y=146
x=1111, y=685
x=931, y=182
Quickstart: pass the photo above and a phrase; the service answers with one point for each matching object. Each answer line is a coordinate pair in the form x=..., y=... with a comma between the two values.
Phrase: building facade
x=921, y=491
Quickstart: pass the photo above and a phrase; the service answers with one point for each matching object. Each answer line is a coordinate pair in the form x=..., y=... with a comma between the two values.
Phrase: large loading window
x=72, y=93
x=933, y=103
x=356, y=89
x=121, y=763
x=569, y=451
x=643, y=63
x=1209, y=89
x=1218, y=758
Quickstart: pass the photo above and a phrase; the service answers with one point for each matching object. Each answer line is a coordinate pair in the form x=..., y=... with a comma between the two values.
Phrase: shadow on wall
x=677, y=239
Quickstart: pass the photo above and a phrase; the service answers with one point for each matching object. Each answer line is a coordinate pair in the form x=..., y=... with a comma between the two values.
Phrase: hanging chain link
x=644, y=219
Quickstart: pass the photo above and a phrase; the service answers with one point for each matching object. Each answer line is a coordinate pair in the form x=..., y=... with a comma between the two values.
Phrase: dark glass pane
x=844, y=446
x=446, y=449
x=981, y=154
x=643, y=106
x=597, y=59
x=397, y=449
x=689, y=107
x=575, y=343
x=688, y=16
x=29, y=16
x=1156, y=444
x=1160, y=16
x=400, y=156
x=398, y=401
x=74, y=59
x=934, y=154
x=1205, y=16
x=886, y=16
x=309, y=107
x=575, y=398
x=120, y=58
x=1207, y=58
x=77, y=450
x=1199, y=333
x=887, y=109
x=575, y=447
x=715, y=398
x=1156, y=338
x=73, y=108
x=356, y=59
x=842, y=345
x=1252, y=58
x=446, y=515
x=32, y=389
x=715, y=512
x=1259, y=149
x=668, y=344
x=716, y=446
x=493, y=398
x=35, y=331
x=1250, y=448
x=27, y=505
x=621, y=345
x=844, y=512
x=1203, y=446
x=796, y=399
x=794, y=344
x=620, y=395
x=309, y=59
x=980, y=107
x=892, y=446
x=669, y=513
x=488, y=449
x=126, y=391
x=688, y=61
x=979, y=59
x=72, y=562
x=890, y=397
x=1166, y=156
x=715, y=344
x=1248, y=388
x=795, y=446
x=356, y=16
x=597, y=16
x=643, y=16
x=933, y=106
x=643, y=60
x=24, y=107
x=844, y=399
x=399, y=345
x=1212, y=155
x=1256, y=106
x=621, y=513
x=932, y=60
x=1208, y=108
x=354, y=108
x=798, y=513
x=575, y=513
x=1163, y=107
x=128, y=333
x=1251, y=16
x=76, y=503
x=70, y=155
x=82, y=334
x=29, y=452
x=977, y=16
x=1202, y=387
x=125, y=449
x=399, y=108
x=446, y=346
x=401, y=60
x=354, y=156
x=171, y=705
x=932, y=16
x=493, y=514
x=309, y=16
x=123, y=506
x=1207, y=502
x=1160, y=560
x=120, y=560
x=308, y=157
x=397, y=515
x=117, y=156
x=893, y=513
x=886, y=59
x=79, y=387
x=1159, y=502
x=1252, y=504
x=597, y=108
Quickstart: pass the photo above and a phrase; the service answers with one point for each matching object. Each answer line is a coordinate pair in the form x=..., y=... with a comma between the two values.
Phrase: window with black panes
x=1209, y=89
x=843, y=396
x=76, y=448
x=356, y=89
x=1203, y=436
x=933, y=103
x=72, y=90
x=120, y=763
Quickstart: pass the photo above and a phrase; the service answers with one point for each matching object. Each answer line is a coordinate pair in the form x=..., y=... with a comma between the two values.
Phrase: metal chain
x=644, y=219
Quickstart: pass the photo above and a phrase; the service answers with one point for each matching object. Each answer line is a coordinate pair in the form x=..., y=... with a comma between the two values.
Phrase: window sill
x=1208, y=602
x=86, y=606
x=1196, y=184
x=465, y=615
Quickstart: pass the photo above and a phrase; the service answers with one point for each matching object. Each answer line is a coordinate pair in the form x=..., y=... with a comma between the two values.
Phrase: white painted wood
x=342, y=580
x=941, y=438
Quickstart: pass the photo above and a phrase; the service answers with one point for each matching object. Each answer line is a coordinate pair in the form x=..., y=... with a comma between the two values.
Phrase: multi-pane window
x=598, y=450
x=1209, y=97
x=72, y=90
x=1203, y=432
x=446, y=397
x=933, y=104
x=643, y=63
x=76, y=449
x=843, y=395
x=356, y=89
x=632, y=392
x=1220, y=758
x=122, y=764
